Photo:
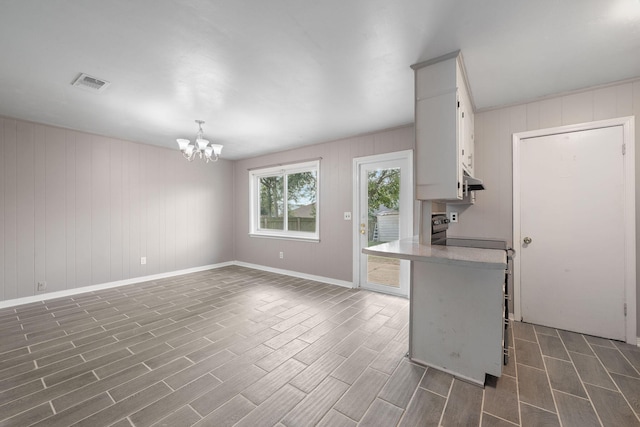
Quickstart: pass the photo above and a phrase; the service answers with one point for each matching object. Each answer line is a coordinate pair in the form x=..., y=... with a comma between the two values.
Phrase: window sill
x=313, y=239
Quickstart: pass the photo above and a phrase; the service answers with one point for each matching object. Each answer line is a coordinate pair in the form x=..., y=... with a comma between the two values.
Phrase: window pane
x=272, y=203
x=301, y=201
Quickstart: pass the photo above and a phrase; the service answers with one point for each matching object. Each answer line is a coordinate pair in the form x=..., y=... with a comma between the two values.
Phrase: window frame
x=254, y=201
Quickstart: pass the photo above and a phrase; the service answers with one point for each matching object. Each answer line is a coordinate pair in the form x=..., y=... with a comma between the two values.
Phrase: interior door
x=572, y=231
x=384, y=213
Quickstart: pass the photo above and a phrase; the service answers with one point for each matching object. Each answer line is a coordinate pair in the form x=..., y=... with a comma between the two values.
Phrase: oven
x=439, y=227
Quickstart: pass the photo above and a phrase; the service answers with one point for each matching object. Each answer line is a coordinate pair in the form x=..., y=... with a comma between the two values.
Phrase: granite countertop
x=412, y=250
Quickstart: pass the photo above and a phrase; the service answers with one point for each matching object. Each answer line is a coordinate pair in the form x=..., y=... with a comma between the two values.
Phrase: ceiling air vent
x=93, y=84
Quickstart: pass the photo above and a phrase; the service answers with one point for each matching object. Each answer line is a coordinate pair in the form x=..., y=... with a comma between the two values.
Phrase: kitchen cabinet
x=444, y=123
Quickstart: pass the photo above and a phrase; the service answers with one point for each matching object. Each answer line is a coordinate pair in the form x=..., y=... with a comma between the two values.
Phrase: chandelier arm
x=208, y=153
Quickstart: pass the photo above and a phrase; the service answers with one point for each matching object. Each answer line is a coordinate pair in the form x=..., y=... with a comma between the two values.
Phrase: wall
x=78, y=209
x=491, y=216
x=332, y=257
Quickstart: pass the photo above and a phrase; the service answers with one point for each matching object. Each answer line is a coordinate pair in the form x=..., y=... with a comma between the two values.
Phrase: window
x=284, y=201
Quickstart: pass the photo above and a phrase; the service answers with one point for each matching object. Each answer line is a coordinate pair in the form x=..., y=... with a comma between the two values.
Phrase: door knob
x=363, y=228
x=527, y=240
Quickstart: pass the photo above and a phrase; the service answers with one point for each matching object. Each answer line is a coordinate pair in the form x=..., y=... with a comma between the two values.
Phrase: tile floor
x=236, y=346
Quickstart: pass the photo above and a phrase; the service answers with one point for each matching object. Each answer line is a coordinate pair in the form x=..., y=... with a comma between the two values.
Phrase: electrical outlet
x=453, y=216
x=347, y=216
x=42, y=286
x=143, y=260
x=281, y=255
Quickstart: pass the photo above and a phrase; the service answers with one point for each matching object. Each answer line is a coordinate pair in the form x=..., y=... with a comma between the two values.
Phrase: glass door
x=384, y=214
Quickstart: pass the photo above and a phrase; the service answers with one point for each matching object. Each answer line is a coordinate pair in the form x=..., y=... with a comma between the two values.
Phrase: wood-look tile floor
x=236, y=346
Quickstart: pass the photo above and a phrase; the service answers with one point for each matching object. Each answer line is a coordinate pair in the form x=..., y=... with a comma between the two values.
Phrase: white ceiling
x=267, y=75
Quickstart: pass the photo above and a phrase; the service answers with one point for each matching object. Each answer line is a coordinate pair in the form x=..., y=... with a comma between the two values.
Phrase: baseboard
x=108, y=285
x=299, y=275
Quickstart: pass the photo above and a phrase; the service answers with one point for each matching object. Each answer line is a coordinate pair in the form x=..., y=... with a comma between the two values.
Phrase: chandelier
x=200, y=148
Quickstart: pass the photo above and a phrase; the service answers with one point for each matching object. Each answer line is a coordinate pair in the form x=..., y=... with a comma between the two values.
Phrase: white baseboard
x=76, y=291
x=101, y=286
x=299, y=275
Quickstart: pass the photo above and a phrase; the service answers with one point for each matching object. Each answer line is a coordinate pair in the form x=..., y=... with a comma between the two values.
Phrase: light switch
x=347, y=216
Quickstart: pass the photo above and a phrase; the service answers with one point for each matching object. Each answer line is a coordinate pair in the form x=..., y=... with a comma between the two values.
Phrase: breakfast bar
x=456, y=306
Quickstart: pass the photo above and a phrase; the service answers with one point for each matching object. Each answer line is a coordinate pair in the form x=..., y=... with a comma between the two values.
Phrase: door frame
x=627, y=124
x=408, y=227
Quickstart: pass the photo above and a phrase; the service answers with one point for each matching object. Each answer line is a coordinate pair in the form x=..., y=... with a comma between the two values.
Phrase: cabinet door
x=439, y=175
x=465, y=121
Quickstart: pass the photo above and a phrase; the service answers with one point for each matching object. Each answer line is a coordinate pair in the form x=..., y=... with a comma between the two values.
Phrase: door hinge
x=458, y=104
x=625, y=308
x=624, y=149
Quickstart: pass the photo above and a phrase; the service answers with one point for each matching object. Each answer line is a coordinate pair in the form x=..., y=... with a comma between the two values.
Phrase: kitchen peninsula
x=457, y=286
x=456, y=306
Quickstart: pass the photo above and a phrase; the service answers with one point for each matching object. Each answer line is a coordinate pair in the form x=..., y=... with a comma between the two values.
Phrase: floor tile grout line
x=628, y=361
x=551, y=389
x=482, y=406
x=612, y=380
x=52, y=408
x=502, y=419
x=538, y=407
x=413, y=395
x=573, y=395
x=580, y=377
x=446, y=402
x=622, y=394
x=515, y=367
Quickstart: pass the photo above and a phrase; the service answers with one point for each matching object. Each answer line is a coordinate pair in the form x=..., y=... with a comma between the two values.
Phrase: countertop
x=412, y=250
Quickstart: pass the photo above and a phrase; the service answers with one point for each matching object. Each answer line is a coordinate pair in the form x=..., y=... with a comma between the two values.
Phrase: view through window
x=285, y=201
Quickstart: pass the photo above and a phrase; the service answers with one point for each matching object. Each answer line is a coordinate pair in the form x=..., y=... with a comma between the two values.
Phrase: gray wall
x=333, y=256
x=78, y=209
x=491, y=216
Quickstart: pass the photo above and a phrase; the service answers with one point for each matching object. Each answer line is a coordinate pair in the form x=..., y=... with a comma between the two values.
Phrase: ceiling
x=268, y=75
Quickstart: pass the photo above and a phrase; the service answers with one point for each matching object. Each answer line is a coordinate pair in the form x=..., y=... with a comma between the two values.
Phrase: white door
x=572, y=231
x=383, y=208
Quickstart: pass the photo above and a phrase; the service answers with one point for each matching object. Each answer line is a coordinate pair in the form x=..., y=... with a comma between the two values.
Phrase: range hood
x=471, y=183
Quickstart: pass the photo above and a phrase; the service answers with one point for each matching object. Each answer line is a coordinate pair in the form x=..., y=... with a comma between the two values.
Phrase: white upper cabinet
x=444, y=128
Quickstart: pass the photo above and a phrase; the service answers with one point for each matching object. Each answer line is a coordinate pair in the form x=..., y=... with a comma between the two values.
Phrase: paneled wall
x=491, y=216
x=332, y=257
x=78, y=209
